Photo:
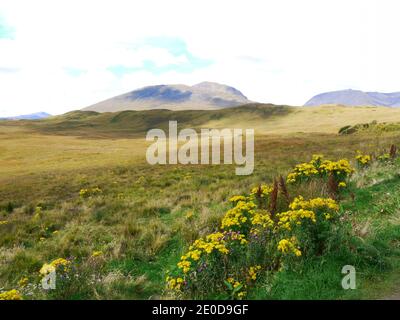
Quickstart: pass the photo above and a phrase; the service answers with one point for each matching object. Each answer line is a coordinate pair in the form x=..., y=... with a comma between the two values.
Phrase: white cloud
x=273, y=51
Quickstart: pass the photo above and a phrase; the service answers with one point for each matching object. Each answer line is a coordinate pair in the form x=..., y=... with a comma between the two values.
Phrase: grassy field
x=78, y=186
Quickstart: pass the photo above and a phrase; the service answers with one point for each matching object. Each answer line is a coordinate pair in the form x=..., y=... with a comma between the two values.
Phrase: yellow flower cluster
x=319, y=167
x=238, y=215
x=238, y=237
x=184, y=264
x=305, y=209
x=3, y=222
x=215, y=241
x=241, y=295
x=306, y=169
x=262, y=218
x=236, y=284
x=287, y=246
x=384, y=157
x=317, y=204
x=23, y=282
x=243, y=217
x=253, y=271
x=175, y=283
x=237, y=198
x=243, y=223
x=289, y=218
x=97, y=254
x=11, y=295
x=302, y=170
x=314, y=204
x=363, y=159
x=263, y=191
x=316, y=159
x=83, y=193
x=52, y=266
x=340, y=167
x=233, y=282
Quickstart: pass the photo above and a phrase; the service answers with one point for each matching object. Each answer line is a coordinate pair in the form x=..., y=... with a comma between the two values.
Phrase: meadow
x=77, y=187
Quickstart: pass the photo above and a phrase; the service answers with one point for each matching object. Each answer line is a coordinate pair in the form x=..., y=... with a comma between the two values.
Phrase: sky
x=57, y=56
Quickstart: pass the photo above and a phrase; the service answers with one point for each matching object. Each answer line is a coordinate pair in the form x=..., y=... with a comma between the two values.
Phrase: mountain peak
x=204, y=95
x=351, y=97
x=31, y=116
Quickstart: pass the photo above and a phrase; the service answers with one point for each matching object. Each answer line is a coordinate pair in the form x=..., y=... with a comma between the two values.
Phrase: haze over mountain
x=202, y=96
x=31, y=116
x=356, y=98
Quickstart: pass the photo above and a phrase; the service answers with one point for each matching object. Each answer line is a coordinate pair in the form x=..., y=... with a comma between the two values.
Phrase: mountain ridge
x=31, y=116
x=202, y=96
x=351, y=97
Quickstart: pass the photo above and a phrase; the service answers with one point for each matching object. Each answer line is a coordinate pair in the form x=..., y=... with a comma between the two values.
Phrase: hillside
x=202, y=96
x=128, y=123
x=356, y=98
x=264, y=118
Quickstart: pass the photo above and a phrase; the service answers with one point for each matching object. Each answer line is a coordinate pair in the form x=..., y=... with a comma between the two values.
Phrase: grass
x=138, y=220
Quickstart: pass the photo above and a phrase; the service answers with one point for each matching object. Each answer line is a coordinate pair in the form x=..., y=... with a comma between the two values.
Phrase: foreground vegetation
x=115, y=227
x=264, y=237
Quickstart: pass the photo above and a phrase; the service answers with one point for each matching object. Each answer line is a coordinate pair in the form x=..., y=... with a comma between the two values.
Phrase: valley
x=77, y=184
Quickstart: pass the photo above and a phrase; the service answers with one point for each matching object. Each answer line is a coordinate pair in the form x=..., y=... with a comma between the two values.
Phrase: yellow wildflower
x=263, y=190
x=238, y=215
x=175, y=283
x=289, y=246
x=11, y=295
x=46, y=269
x=288, y=218
x=23, y=282
x=237, y=198
x=384, y=157
x=97, y=254
x=241, y=294
x=253, y=272
x=314, y=204
x=262, y=218
x=363, y=159
x=184, y=265
x=52, y=266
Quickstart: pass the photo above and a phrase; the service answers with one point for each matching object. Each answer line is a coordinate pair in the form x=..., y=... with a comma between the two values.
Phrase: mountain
x=356, y=98
x=32, y=116
x=202, y=96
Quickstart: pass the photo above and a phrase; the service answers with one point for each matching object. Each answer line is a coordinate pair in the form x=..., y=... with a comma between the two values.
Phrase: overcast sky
x=57, y=56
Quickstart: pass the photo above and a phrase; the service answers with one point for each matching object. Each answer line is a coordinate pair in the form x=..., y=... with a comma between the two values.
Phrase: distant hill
x=131, y=123
x=356, y=98
x=202, y=96
x=32, y=116
x=263, y=118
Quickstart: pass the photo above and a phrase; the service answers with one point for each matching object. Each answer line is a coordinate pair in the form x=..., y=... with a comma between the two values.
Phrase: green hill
x=127, y=123
x=264, y=118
